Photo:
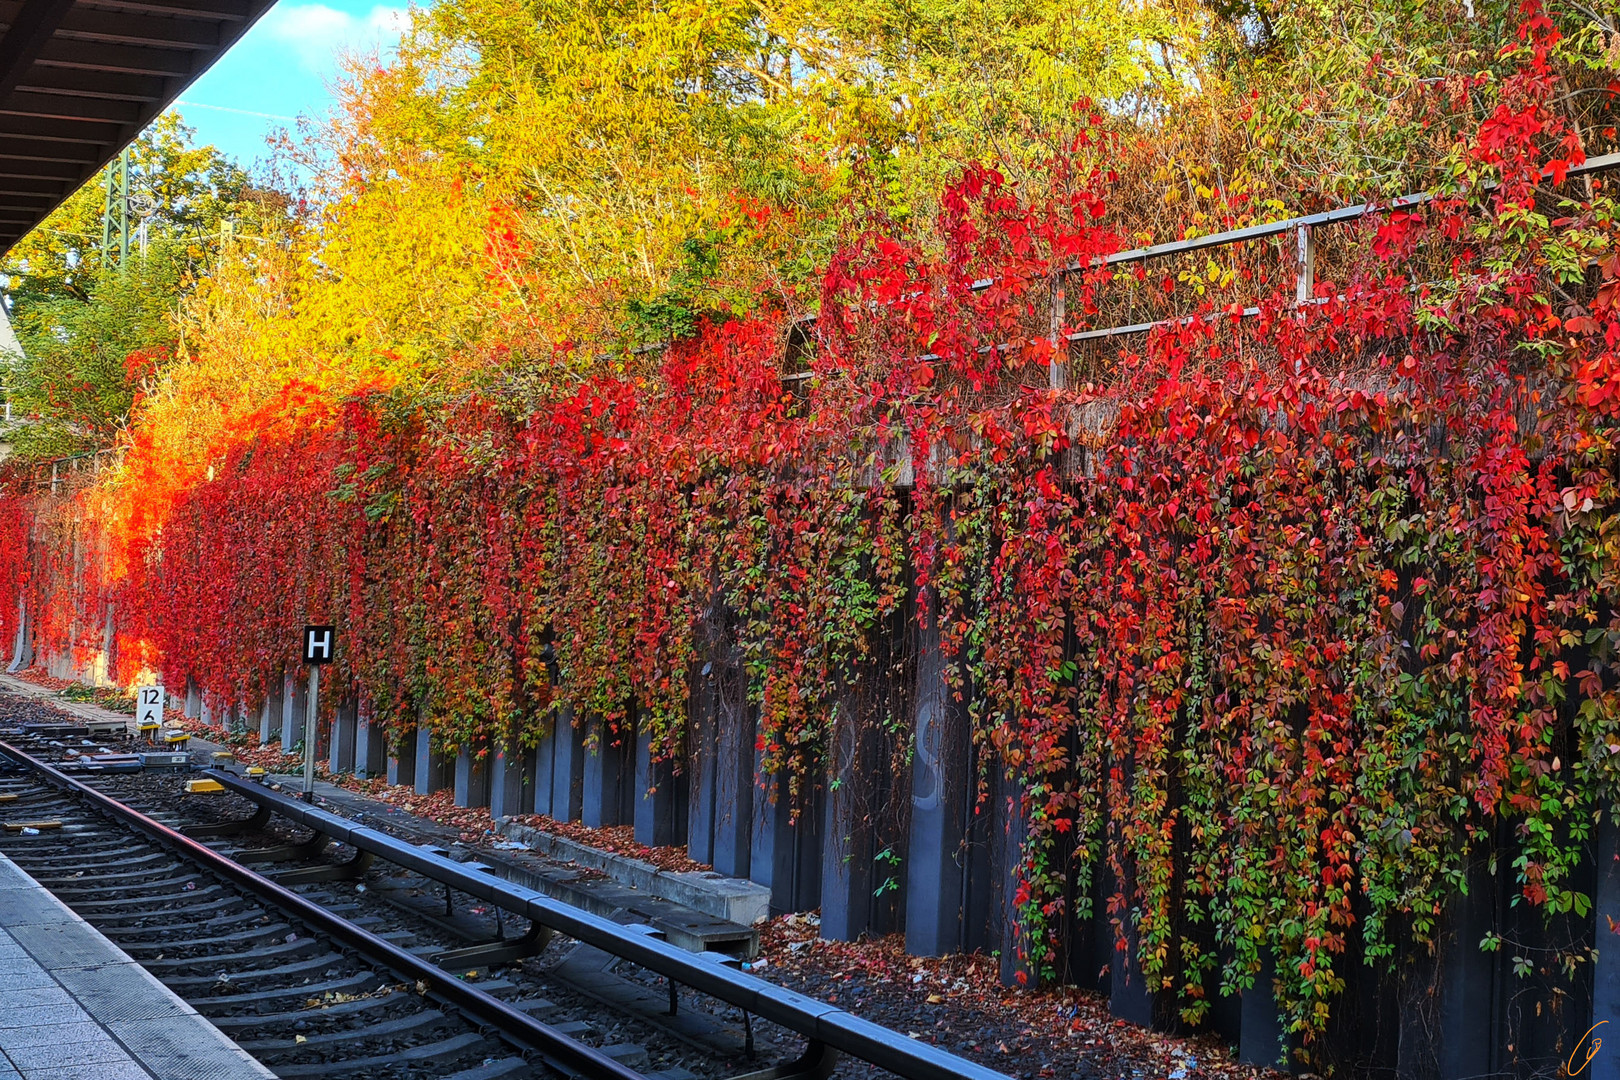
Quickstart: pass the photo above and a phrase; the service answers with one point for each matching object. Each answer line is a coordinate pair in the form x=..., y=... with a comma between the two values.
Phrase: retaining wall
x=924, y=855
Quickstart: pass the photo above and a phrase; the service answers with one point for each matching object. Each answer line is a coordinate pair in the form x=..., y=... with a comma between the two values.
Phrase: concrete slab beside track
x=90, y=714
x=74, y=1005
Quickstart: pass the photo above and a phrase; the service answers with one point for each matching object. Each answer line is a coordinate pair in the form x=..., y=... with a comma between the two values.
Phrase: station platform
x=74, y=1006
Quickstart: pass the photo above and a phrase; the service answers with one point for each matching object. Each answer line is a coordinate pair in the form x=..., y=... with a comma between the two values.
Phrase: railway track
x=332, y=966
x=254, y=957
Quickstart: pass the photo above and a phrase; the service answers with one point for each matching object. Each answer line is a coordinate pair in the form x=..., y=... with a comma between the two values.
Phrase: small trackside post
x=319, y=644
x=309, y=732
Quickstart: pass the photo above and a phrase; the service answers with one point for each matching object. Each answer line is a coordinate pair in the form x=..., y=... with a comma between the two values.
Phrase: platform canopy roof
x=79, y=79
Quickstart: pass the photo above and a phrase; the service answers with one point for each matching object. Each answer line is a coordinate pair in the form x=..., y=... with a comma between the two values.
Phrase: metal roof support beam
x=91, y=132
x=66, y=107
x=27, y=37
x=129, y=29
x=140, y=90
x=116, y=59
x=233, y=11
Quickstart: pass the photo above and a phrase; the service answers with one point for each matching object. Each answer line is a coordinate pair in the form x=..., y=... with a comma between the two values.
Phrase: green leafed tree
x=92, y=329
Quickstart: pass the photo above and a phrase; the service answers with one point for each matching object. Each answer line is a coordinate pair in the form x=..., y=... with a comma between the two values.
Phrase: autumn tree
x=93, y=330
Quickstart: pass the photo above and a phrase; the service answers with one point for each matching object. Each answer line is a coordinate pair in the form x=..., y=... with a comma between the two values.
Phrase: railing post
x=511, y=781
x=1305, y=282
x=605, y=779
x=847, y=839
x=370, y=743
x=19, y=657
x=1057, y=371
x=1261, y=1040
x=341, y=744
x=735, y=785
x=471, y=779
x=941, y=782
x=702, y=764
x=659, y=808
x=401, y=767
x=567, y=766
x=294, y=699
x=545, y=769
x=429, y=762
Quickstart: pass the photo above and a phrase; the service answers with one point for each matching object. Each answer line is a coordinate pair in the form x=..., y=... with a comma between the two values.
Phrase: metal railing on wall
x=71, y=469
x=1303, y=228
x=53, y=474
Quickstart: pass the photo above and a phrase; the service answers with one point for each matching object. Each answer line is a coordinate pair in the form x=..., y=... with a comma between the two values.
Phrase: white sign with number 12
x=149, y=706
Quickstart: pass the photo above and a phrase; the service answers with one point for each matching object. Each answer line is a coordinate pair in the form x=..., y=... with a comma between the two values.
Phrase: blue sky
x=281, y=70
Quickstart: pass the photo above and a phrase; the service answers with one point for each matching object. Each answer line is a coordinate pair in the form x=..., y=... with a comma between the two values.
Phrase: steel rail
x=558, y=1050
x=816, y=1020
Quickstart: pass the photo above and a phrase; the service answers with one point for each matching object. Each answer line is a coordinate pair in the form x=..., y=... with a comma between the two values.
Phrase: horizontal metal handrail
x=1598, y=164
x=814, y=1019
x=1263, y=231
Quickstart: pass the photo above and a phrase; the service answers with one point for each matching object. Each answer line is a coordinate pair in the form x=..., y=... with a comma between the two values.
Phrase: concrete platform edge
x=153, y=1026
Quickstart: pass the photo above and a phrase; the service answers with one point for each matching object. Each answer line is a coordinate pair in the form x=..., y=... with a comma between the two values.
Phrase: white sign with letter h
x=319, y=644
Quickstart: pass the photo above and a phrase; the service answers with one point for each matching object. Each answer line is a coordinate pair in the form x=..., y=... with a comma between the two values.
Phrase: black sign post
x=320, y=642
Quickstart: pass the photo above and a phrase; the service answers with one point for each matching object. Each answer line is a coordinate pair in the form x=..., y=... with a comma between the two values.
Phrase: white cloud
x=316, y=34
